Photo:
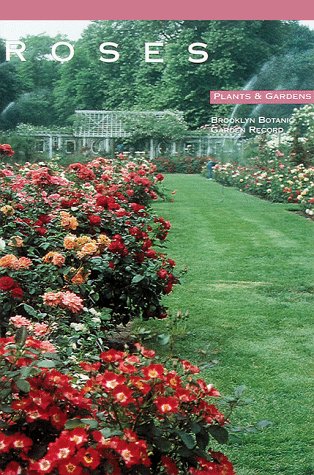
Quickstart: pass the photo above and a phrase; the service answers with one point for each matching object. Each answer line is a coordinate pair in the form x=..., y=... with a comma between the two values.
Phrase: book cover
x=215, y=268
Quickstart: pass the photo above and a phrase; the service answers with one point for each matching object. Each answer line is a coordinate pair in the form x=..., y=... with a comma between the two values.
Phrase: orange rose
x=8, y=261
x=69, y=241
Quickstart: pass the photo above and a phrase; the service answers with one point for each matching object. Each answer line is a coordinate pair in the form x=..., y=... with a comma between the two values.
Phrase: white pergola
x=109, y=124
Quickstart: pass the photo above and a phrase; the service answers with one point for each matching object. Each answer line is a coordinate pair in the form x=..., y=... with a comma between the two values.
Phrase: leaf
x=195, y=428
x=92, y=423
x=23, y=385
x=219, y=433
x=7, y=410
x=141, y=470
x=95, y=296
x=185, y=453
x=163, y=444
x=137, y=278
x=239, y=391
x=163, y=339
x=202, y=439
x=26, y=371
x=107, y=432
x=73, y=424
x=30, y=310
x=187, y=439
x=20, y=336
x=46, y=364
x=4, y=393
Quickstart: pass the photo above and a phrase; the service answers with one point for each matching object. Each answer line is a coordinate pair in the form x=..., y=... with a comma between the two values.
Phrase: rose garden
x=82, y=257
x=156, y=270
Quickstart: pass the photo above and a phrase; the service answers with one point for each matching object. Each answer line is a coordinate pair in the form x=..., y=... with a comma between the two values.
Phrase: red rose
x=6, y=149
x=68, y=203
x=41, y=230
x=17, y=293
x=151, y=253
x=44, y=218
x=112, y=204
x=117, y=246
x=136, y=207
x=7, y=283
x=162, y=273
x=101, y=200
x=94, y=219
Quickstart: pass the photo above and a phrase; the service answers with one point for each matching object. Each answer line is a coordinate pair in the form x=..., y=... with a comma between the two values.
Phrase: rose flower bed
x=121, y=414
x=277, y=180
x=78, y=255
x=81, y=239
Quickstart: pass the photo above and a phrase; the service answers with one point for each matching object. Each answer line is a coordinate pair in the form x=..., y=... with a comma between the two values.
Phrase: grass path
x=249, y=290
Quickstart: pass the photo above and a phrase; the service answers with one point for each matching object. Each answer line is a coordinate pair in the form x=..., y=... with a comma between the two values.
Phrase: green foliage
x=180, y=164
x=236, y=49
x=9, y=83
x=168, y=126
x=23, y=145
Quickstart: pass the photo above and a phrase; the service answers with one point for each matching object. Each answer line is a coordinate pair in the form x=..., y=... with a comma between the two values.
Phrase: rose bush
x=277, y=180
x=122, y=413
x=82, y=237
x=180, y=164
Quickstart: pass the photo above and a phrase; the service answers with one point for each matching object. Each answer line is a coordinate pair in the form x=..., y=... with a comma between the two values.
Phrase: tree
x=36, y=77
x=237, y=51
x=9, y=85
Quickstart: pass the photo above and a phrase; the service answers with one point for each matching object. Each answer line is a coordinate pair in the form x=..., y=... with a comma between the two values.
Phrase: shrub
x=180, y=164
x=277, y=180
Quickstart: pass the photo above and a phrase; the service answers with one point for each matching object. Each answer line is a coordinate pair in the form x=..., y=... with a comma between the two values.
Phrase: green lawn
x=249, y=290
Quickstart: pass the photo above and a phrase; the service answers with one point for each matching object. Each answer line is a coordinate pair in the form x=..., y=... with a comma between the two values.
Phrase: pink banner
x=161, y=9
x=262, y=97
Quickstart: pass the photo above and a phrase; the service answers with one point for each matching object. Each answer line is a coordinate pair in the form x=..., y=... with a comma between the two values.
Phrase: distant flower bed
x=180, y=164
x=276, y=180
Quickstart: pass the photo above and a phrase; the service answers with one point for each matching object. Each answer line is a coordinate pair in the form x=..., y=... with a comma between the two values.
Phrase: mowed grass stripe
x=249, y=291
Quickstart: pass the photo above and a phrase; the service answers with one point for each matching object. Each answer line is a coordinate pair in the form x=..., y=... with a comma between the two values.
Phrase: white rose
x=2, y=244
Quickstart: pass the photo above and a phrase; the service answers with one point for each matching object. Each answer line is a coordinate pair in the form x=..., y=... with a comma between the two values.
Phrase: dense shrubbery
x=276, y=180
x=180, y=164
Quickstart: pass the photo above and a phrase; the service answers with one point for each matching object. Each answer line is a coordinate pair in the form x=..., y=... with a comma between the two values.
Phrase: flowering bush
x=301, y=130
x=82, y=237
x=277, y=180
x=120, y=414
x=6, y=150
x=180, y=164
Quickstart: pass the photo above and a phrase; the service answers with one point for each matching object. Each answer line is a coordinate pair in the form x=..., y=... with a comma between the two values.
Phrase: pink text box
x=262, y=97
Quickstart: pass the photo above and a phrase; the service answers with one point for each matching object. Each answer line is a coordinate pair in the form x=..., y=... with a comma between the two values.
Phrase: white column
x=50, y=146
x=151, y=149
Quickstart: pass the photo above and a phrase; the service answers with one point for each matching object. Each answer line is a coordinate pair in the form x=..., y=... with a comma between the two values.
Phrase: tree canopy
x=48, y=92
